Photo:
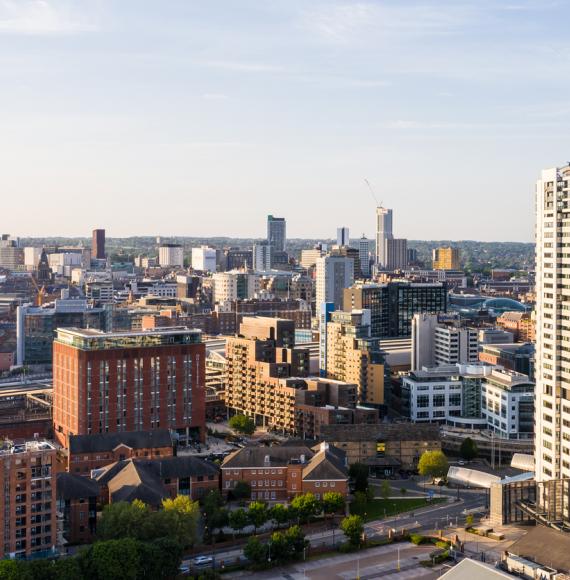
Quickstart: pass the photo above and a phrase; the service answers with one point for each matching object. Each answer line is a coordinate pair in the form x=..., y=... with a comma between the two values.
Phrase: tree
x=214, y=516
x=403, y=491
x=296, y=540
x=238, y=519
x=123, y=520
x=333, y=502
x=433, y=464
x=469, y=520
x=242, y=490
x=114, y=560
x=353, y=527
x=385, y=490
x=360, y=500
x=12, y=570
x=306, y=506
x=255, y=551
x=468, y=449
x=242, y=424
x=358, y=472
x=257, y=514
x=279, y=513
x=185, y=516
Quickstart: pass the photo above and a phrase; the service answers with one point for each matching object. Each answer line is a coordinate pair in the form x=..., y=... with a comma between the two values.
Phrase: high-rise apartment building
x=128, y=381
x=171, y=256
x=234, y=285
x=396, y=254
x=277, y=233
x=383, y=233
x=352, y=356
x=552, y=402
x=98, y=245
x=446, y=259
x=334, y=274
x=28, y=499
x=342, y=236
x=440, y=340
x=392, y=306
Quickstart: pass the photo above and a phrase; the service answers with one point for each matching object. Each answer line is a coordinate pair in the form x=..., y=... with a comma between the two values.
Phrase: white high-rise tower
x=383, y=233
x=552, y=402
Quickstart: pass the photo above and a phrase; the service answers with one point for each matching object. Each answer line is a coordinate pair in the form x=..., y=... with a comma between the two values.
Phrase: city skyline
x=146, y=116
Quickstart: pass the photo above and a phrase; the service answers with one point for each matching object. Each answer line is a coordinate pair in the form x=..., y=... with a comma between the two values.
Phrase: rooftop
x=545, y=546
x=381, y=431
x=11, y=448
x=108, y=441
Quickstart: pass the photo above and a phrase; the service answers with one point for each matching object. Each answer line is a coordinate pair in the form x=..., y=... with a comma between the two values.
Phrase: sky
x=198, y=118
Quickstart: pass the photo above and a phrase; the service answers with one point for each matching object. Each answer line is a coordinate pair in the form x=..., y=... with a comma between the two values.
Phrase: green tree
x=185, y=517
x=238, y=519
x=13, y=570
x=468, y=449
x=358, y=473
x=114, y=560
x=279, y=513
x=306, y=506
x=242, y=490
x=333, y=502
x=255, y=551
x=242, y=424
x=385, y=490
x=469, y=520
x=257, y=514
x=433, y=464
x=278, y=548
x=214, y=515
x=123, y=520
x=296, y=540
x=353, y=527
x=360, y=500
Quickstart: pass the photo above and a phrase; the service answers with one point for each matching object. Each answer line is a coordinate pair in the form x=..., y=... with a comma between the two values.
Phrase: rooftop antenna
x=372, y=193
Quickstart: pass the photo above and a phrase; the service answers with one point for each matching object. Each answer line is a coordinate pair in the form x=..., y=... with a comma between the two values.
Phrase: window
x=333, y=484
x=317, y=484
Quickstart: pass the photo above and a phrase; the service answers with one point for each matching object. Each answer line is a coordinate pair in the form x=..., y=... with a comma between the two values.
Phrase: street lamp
x=269, y=551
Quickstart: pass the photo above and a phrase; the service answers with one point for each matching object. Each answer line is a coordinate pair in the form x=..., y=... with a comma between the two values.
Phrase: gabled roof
x=109, y=441
x=326, y=464
x=545, y=546
x=381, y=431
x=72, y=486
x=276, y=456
x=474, y=570
x=143, y=478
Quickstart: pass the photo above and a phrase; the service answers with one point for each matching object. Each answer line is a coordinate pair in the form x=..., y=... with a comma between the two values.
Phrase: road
x=428, y=519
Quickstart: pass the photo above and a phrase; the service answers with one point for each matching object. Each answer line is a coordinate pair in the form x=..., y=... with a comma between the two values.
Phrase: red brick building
x=87, y=452
x=151, y=481
x=77, y=502
x=128, y=381
x=27, y=501
x=277, y=474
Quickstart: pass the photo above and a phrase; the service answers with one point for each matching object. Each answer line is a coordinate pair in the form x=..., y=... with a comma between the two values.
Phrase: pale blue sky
x=200, y=117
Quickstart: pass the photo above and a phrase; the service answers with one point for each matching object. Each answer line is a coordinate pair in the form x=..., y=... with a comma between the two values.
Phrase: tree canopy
x=242, y=424
x=468, y=449
x=353, y=528
x=433, y=464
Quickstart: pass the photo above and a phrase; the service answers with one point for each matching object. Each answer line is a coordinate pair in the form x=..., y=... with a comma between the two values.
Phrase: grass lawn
x=374, y=509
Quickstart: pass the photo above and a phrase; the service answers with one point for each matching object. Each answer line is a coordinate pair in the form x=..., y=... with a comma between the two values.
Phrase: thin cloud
x=215, y=97
x=40, y=17
x=240, y=66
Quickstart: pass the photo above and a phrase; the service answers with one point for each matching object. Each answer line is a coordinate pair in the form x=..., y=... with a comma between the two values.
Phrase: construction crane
x=41, y=292
x=372, y=193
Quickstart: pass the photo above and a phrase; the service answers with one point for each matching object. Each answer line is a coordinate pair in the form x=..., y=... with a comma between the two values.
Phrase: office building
x=32, y=256
x=36, y=326
x=237, y=259
x=441, y=340
x=446, y=259
x=171, y=256
x=309, y=257
x=334, y=274
x=521, y=324
x=28, y=500
x=128, y=381
x=342, y=236
x=11, y=255
x=396, y=254
x=348, y=252
x=365, y=254
x=552, y=430
x=392, y=306
x=262, y=254
x=277, y=233
x=98, y=245
x=234, y=285
x=383, y=233
x=280, y=473
x=352, y=356
x=508, y=404
x=204, y=259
